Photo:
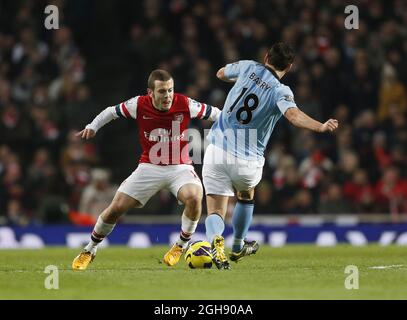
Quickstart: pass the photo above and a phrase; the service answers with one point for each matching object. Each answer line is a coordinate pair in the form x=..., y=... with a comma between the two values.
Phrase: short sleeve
x=233, y=70
x=285, y=99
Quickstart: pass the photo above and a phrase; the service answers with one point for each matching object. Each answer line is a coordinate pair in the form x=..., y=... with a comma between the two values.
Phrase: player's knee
x=193, y=200
x=245, y=195
x=118, y=207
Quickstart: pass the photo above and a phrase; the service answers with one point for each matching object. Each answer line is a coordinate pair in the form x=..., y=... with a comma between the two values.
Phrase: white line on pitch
x=388, y=267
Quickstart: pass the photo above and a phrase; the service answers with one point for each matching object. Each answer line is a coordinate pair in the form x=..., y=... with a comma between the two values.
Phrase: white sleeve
x=202, y=111
x=102, y=118
x=215, y=114
x=127, y=109
x=285, y=99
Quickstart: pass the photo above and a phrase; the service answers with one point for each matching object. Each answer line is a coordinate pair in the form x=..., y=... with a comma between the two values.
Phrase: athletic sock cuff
x=217, y=214
x=246, y=201
x=188, y=225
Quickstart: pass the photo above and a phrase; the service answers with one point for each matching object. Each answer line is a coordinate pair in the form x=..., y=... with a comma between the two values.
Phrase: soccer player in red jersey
x=162, y=117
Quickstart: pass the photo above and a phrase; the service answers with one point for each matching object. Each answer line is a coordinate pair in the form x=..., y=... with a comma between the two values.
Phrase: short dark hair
x=158, y=74
x=280, y=56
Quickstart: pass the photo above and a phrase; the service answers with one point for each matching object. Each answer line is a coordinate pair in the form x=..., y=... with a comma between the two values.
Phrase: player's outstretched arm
x=127, y=109
x=107, y=115
x=302, y=120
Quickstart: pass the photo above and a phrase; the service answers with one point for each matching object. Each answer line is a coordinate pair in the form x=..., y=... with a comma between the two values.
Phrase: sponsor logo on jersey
x=288, y=98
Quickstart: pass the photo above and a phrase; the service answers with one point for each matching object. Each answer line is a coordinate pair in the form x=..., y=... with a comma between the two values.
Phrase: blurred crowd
x=43, y=99
x=356, y=76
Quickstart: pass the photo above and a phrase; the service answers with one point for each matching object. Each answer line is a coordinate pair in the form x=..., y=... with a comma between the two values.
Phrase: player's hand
x=86, y=134
x=331, y=125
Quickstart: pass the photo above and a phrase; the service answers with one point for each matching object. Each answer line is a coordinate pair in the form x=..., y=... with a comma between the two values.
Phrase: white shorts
x=149, y=178
x=222, y=172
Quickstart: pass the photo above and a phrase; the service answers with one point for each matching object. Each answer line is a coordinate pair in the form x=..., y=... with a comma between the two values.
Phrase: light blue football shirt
x=251, y=110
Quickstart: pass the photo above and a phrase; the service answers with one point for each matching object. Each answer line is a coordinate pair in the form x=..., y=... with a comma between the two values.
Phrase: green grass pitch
x=290, y=272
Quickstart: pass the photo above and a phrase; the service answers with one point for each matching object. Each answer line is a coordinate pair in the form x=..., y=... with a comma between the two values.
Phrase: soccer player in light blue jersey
x=234, y=158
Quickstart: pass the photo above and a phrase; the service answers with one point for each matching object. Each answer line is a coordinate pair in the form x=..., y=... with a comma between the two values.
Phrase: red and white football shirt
x=163, y=133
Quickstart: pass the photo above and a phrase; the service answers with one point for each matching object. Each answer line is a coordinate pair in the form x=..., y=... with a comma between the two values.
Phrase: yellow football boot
x=82, y=261
x=218, y=252
x=172, y=257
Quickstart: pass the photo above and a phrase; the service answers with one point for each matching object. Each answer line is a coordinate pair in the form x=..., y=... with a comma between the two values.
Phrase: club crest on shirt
x=178, y=117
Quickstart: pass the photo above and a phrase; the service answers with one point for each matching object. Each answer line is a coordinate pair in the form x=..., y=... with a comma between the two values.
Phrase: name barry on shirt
x=259, y=82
